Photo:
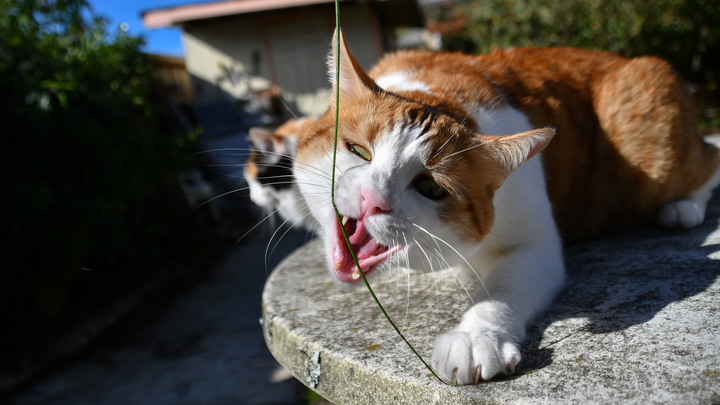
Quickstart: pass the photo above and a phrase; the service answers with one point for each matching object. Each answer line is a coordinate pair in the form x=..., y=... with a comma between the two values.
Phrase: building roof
x=169, y=16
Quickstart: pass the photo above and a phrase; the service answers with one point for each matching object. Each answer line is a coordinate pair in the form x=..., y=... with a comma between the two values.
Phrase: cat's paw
x=681, y=214
x=468, y=357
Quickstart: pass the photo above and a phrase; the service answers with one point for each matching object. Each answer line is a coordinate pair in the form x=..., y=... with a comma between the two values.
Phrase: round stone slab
x=636, y=322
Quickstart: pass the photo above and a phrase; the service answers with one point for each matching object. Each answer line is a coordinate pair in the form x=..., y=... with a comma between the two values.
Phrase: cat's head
x=414, y=182
x=268, y=170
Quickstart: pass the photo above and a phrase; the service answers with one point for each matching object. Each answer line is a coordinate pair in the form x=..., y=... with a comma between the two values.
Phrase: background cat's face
x=268, y=171
x=268, y=168
x=411, y=180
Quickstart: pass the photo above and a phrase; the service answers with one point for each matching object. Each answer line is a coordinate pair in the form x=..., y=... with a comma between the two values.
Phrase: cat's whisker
x=442, y=261
x=248, y=150
x=463, y=151
x=288, y=166
x=210, y=200
x=267, y=218
x=394, y=262
x=287, y=108
x=280, y=165
x=407, y=297
x=438, y=255
x=303, y=205
x=277, y=182
x=449, y=273
x=432, y=270
x=436, y=238
x=313, y=170
x=320, y=193
x=219, y=150
x=289, y=228
x=280, y=183
x=439, y=151
x=318, y=178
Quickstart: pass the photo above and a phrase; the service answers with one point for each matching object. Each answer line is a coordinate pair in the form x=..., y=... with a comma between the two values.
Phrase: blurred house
x=254, y=52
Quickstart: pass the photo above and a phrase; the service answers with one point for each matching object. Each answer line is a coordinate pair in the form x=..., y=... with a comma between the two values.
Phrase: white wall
x=243, y=55
x=222, y=53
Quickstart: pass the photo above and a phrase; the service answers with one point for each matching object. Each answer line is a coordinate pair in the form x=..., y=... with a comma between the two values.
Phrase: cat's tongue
x=369, y=252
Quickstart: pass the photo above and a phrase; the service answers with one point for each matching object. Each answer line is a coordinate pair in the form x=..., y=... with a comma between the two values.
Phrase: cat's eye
x=360, y=151
x=427, y=187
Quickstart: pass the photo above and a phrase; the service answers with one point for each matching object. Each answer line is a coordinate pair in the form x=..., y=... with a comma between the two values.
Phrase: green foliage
x=687, y=33
x=91, y=208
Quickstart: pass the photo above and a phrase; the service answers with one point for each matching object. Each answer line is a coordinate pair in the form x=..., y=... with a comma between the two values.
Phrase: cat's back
x=527, y=70
x=627, y=140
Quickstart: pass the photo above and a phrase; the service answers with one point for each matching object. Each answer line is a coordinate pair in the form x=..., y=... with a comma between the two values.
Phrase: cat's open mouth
x=369, y=251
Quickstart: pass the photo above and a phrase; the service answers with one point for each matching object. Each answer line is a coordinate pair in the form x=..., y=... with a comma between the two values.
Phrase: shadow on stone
x=623, y=281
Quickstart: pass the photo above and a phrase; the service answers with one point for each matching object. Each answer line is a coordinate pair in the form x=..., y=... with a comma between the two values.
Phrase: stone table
x=638, y=321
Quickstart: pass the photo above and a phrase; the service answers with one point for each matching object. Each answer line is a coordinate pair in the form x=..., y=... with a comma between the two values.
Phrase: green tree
x=686, y=33
x=90, y=208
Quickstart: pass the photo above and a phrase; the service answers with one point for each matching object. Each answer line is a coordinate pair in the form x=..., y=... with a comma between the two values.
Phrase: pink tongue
x=369, y=251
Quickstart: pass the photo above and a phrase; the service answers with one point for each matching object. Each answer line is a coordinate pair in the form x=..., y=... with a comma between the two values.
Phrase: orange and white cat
x=439, y=165
x=268, y=172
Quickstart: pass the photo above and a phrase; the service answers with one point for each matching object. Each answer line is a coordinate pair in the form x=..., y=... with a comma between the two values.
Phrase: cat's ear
x=288, y=145
x=354, y=82
x=511, y=151
x=261, y=138
x=270, y=142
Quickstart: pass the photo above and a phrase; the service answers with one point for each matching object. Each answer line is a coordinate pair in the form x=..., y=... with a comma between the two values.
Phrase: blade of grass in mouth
x=338, y=217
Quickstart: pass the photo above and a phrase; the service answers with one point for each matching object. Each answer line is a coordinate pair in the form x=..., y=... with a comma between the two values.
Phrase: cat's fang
x=338, y=258
x=345, y=219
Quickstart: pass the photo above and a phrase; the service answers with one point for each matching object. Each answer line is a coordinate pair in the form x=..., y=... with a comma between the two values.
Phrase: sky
x=163, y=41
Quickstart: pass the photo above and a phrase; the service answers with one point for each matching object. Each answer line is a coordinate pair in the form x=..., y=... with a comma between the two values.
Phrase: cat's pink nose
x=372, y=204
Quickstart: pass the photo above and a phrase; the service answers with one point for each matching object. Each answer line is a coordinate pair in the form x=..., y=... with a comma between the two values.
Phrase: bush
x=91, y=208
x=684, y=32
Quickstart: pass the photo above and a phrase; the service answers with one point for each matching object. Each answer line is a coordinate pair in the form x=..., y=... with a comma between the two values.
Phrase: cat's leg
x=690, y=212
x=518, y=286
x=519, y=282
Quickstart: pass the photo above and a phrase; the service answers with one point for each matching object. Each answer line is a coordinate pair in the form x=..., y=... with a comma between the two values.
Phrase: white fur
x=401, y=82
x=288, y=203
x=690, y=212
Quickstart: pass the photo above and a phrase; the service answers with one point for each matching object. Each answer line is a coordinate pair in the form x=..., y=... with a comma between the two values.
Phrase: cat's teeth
x=345, y=219
x=355, y=276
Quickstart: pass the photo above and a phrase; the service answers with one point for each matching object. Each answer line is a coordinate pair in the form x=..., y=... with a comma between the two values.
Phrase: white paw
x=468, y=357
x=681, y=214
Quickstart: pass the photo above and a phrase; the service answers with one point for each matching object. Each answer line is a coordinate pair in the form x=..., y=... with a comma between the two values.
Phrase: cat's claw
x=469, y=357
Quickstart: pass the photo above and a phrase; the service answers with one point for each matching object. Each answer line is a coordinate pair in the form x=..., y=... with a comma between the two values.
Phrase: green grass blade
x=332, y=196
